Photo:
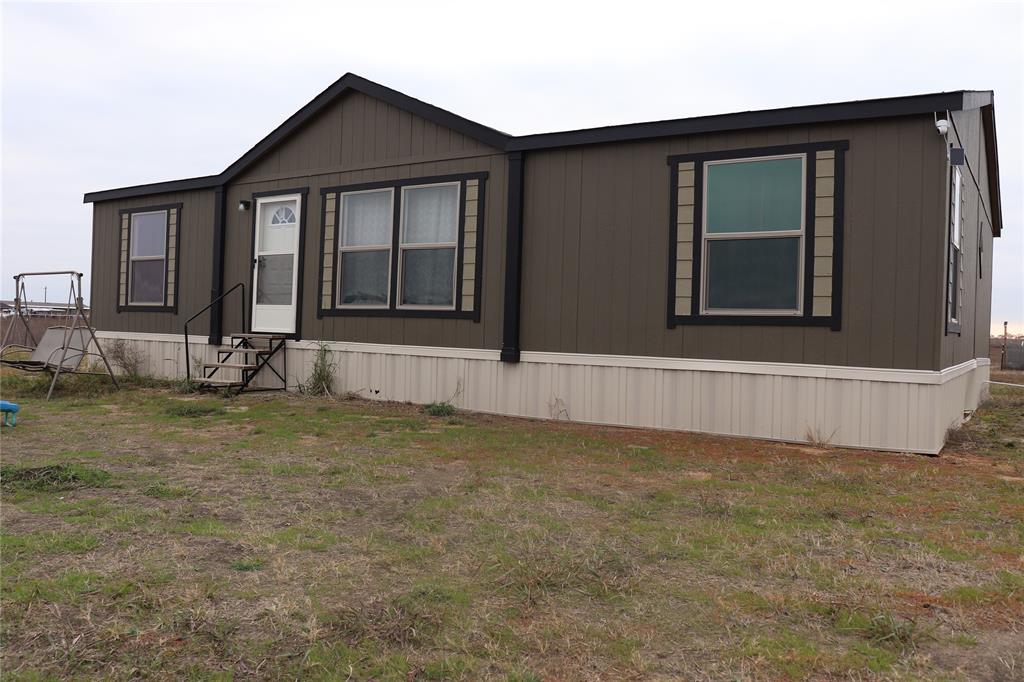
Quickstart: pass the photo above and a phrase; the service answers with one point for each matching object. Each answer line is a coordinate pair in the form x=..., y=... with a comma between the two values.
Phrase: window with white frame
x=427, y=246
x=147, y=258
x=364, y=248
x=955, y=247
x=753, y=236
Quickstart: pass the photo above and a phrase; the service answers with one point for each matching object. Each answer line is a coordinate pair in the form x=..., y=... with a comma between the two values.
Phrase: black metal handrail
x=245, y=324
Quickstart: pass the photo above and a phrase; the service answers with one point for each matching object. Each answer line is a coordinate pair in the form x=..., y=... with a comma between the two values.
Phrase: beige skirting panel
x=162, y=355
x=901, y=410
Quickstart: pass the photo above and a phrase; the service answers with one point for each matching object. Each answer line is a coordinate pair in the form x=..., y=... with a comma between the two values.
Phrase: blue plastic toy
x=10, y=413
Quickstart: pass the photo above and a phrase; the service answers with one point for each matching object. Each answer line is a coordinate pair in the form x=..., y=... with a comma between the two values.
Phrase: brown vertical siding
x=595, y=260
x=193, y=264
x=972, y=341
x=358, y=132
x=599, y=215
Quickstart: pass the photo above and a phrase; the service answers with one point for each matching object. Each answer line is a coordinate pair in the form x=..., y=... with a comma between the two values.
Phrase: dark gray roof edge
x=763, y=118
x=817, y=113
x=201, y=182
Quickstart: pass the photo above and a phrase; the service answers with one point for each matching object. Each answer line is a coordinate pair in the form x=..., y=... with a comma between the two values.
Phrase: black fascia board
x=817, y=113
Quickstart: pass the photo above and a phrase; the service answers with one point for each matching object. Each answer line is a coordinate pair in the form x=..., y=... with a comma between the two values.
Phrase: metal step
x=232, y=349
x=229, y=365
x=265, y=337
x=206, y=381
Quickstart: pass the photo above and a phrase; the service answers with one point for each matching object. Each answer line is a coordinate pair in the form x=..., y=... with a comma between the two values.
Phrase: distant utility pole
x=44, y=294
x=1002, y=356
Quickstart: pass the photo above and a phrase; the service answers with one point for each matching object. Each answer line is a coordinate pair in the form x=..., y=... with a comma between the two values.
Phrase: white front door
x=275, y=264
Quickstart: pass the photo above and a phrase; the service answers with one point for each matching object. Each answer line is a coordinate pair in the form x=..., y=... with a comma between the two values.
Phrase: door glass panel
x=274, y=279
x=428, y=277
x=278, y=222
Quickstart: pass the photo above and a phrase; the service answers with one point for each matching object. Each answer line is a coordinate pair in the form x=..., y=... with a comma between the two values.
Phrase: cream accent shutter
x=824, y=231
x=172, y=257
x=327, y=253
x=684, y=238
x=471, y=234
x=122, y=295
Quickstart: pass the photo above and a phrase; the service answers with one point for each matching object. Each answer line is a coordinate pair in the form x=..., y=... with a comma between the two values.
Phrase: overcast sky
x=97, y=96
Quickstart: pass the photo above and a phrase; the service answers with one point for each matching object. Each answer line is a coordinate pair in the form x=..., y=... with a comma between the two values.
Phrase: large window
x=410, y=247
x=365, y=248
x=753, y=236
x=148, y=258
x=429, y=237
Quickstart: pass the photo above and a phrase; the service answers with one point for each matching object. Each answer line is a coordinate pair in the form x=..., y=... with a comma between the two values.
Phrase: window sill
x=762, y=320
x=400, y=312
x=146, y=308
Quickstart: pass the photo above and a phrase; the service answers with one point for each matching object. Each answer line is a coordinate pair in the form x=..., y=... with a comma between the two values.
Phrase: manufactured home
x=814, y=273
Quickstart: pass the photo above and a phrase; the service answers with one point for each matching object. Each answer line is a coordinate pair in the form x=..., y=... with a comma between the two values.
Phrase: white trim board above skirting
x=904, y=376
x=887, y=409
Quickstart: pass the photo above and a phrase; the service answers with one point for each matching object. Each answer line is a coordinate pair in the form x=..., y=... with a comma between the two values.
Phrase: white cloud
x=105, y=95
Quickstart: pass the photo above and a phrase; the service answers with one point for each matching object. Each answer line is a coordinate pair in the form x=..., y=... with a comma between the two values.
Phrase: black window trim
x=807, y=319
x=149, y=307
x=393, y=309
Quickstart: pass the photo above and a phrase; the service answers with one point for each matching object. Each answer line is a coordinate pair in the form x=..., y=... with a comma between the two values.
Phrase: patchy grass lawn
x=151, y=533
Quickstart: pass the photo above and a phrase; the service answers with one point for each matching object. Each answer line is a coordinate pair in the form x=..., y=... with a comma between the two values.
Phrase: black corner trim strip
x=696, y=292
x=301, y=265
x=320, y=257
x=478, y=281
x=396, y=247
x=510, y=350
x=810, y=184
x=217, y=278
x=673, y=235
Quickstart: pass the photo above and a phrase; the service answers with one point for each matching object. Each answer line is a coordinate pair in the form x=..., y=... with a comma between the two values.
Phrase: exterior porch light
x=243, y=205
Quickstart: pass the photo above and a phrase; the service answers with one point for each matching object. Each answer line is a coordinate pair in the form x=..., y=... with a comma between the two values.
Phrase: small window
x=429, y=238
x=955, y=248
x=365, y=248
x=148, y=258
x=753, y=236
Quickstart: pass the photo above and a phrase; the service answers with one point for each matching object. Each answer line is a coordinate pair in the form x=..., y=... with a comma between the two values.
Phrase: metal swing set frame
x=45, y=350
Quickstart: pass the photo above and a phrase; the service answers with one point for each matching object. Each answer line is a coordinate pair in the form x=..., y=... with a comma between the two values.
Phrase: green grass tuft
x=163, y=491
x=441, y=409
x=194, y=409
x=245, y=565
x=51, y=478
